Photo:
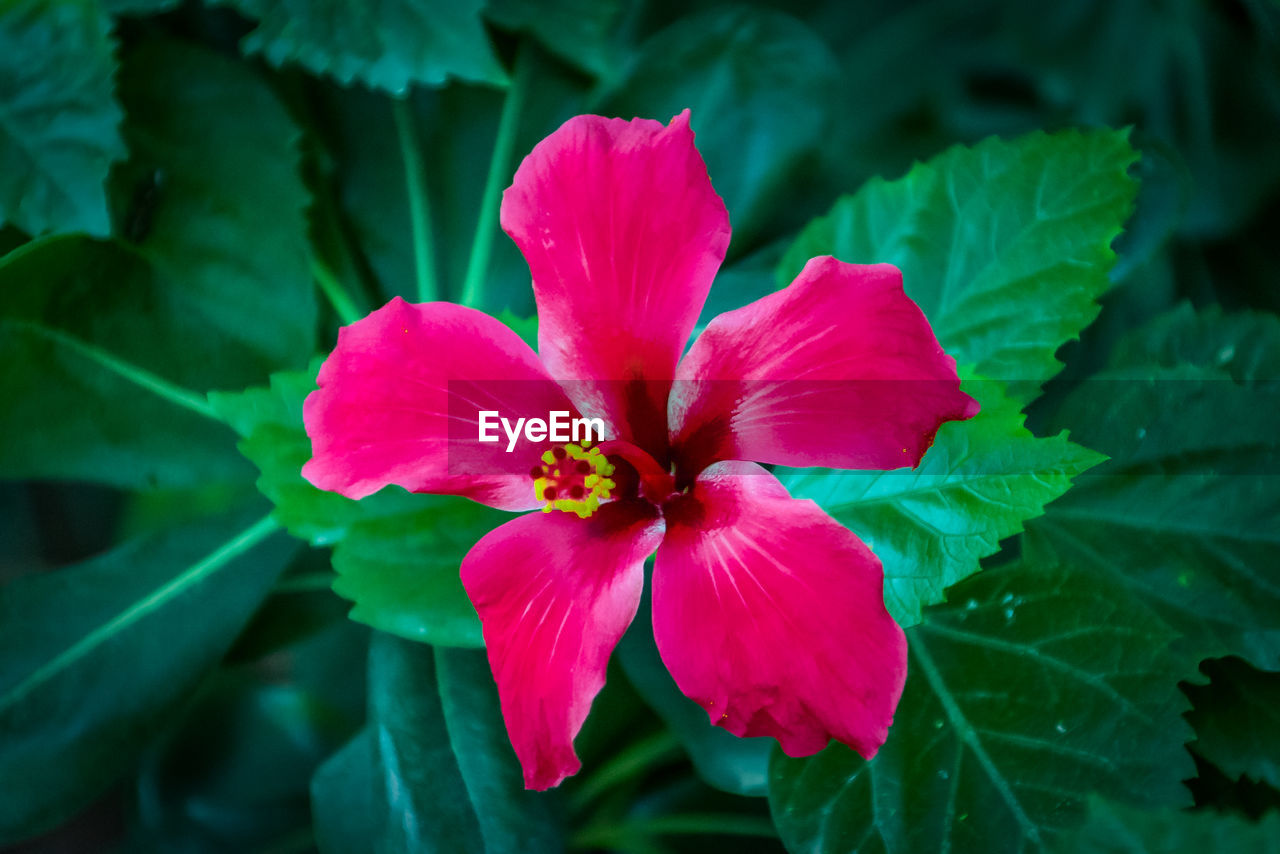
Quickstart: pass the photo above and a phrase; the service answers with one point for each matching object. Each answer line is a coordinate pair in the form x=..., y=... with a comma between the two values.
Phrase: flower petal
x=838, y=369
x=555, y=593
x=399, y=399
x=623, y=234
x=771, y=616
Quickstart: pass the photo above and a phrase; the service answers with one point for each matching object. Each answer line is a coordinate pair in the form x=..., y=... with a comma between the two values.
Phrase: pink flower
x=767, y=612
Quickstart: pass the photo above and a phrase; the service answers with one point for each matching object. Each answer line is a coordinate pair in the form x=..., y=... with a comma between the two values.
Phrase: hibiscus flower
x=767, y=612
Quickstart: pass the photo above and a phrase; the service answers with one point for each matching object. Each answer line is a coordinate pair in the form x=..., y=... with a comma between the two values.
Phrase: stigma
x=574, y=479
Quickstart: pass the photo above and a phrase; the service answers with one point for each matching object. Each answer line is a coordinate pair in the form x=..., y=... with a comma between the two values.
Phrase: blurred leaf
x=391, y=44
x=1237, y=720
x=1005, y=246
x=760, y=85
x=1020, y=691
x=737, y=765
x=433, y=770
x=398, y=554
x=235, y=775
x=1184, y=513
x=930, y=526
x=58, y=119
x=216, y=207
x=1114, y=829
x=93, y=658
x=577, y=31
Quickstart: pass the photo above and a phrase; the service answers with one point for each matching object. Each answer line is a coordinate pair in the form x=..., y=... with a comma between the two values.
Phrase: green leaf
x=389, y=45
x=1114, y=829
x=269, y=421
x=1006, y=246
x=58, y=119
x=1184, y=513
x=139, y=7
x=94, y=657
x=433, y=770
x=759, y=84
x=978, y=483
x=1018, y=693
x=1237, y=720
x=397, y=554
x=577, y=31
x=216, y=206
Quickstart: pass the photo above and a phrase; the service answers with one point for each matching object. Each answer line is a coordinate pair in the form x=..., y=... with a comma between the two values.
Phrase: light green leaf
x=58, y=118
x=1237, y=720
x=95, y=656
x=432, y=771
x=1114, y=829
x=1006, y=246
x=930, y=526
x=1018, y=692
x=397, y=555
x=389, y=45
x=760, y=86
x=1184, y=513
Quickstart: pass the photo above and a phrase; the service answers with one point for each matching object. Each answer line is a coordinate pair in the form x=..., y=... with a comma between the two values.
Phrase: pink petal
x=399, y=399
x=771, y=616
x=838, y=369
x=555, y=594
x=623, y=234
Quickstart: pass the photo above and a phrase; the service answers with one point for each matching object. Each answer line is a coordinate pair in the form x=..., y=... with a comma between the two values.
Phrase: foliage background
x=194, y=196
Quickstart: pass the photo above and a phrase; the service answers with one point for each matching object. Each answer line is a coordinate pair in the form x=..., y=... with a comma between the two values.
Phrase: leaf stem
x=499, y=173
x=194, y=574
x=634, y=759
x=141, y=377
x=336, y=293
x=419, y=205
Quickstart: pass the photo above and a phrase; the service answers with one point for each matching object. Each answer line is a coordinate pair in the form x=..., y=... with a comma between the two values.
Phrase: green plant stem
x=140, y=377
x=499, y=174
x=337, y=295
x=634, y=759
x=621, y=835
x=419, y=205
x=193, y=575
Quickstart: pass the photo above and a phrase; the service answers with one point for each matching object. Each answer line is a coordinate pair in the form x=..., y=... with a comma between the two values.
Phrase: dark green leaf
x=58, y=119
x=82, y=365
x=390, y=45
x=577, y=31
x=1005, y=246
x=1185, y=511
x=1237, y=720
x=212, y=200
x=432, y=771
x=978, y=483
x=139, y=7
x=1114, y=829
x=94, y=657
x=760, y=85
x=1019, y=692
